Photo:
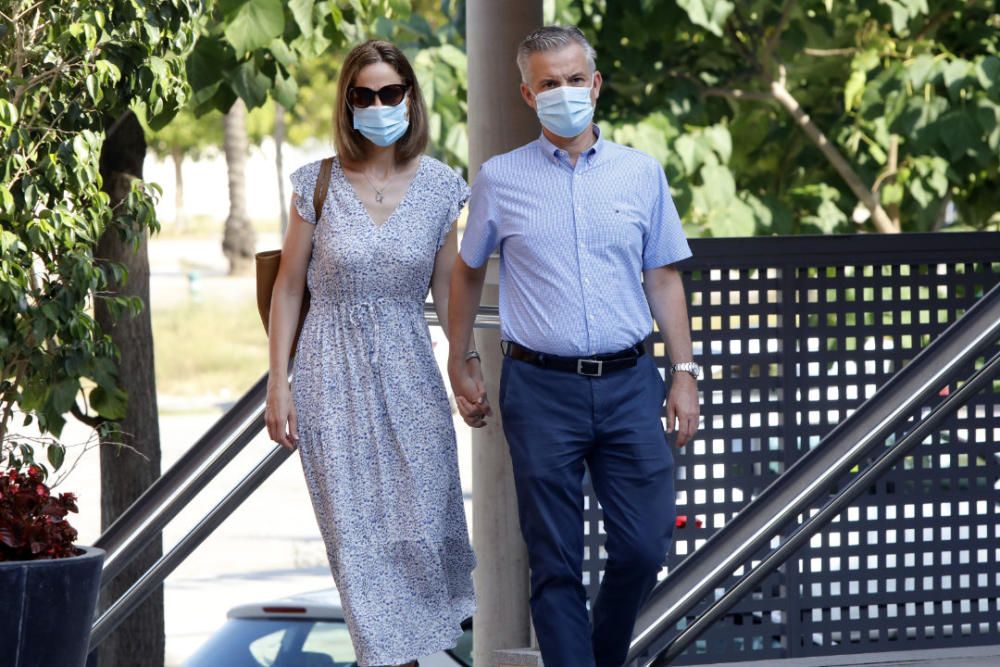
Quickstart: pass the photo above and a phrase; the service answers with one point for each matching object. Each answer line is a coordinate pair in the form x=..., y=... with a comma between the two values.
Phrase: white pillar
x=499, y=121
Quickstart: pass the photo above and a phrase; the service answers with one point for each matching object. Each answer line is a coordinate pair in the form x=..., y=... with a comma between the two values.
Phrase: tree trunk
x=180, y=218
x=126, y=473
x=279, y=142
x=238, y=242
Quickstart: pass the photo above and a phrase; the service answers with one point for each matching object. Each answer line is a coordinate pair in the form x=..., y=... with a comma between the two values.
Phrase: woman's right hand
x=279, y=415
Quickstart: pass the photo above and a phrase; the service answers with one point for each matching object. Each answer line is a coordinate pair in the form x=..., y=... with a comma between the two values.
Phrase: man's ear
x=528, y=96
x=596, y=92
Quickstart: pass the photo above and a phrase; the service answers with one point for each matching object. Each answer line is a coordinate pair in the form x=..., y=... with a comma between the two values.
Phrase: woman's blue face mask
x=382, y=125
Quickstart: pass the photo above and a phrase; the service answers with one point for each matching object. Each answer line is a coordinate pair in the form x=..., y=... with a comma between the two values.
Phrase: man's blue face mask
x=382, y=125
x=565, y=111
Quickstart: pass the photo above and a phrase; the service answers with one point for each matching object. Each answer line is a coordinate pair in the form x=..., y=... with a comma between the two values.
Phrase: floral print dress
x=376, y=438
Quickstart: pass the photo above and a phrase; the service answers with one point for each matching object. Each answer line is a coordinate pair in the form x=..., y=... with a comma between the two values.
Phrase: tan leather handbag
x=268, y=261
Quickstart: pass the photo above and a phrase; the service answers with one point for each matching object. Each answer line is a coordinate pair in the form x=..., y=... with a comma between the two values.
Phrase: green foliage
x=908, y=79
x=68, y=71
x=442, y=69
x=248, y=48
x=430, y=33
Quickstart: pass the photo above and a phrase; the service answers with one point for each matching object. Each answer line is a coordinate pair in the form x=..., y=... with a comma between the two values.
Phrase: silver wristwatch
x=688, y=367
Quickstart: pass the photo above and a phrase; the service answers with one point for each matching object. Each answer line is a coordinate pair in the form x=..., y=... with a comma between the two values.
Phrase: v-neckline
x=357, y=200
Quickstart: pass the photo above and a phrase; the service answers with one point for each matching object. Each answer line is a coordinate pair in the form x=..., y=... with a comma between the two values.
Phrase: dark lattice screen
x=794, y=334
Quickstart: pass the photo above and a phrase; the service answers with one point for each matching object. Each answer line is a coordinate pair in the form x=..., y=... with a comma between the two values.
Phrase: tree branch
x=830, y=53
x=891, y=171
x=738, y=94
x=881, y=219
x=771, y=45
x=942, y=214
x=891, y=165
x=81, y=416
x=744, y=49
x=935, y=22
x=28, y=10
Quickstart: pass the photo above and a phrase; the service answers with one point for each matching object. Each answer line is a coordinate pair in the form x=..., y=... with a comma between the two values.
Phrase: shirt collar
x=554, y=153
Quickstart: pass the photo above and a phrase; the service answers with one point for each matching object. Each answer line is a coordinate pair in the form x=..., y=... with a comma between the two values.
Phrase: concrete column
x=498, y=121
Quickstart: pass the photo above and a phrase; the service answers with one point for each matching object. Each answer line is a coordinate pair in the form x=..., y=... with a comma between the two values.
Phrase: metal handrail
x=146, y=518
x=154, y=576
x=144, y=512
x=794, y=492
x=813, y=524
x=150, y=513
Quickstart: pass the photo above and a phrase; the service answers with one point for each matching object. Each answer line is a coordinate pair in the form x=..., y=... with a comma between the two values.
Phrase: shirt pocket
x=619, y=226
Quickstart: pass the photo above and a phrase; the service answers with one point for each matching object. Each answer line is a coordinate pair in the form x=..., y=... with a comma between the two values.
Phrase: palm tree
x=239, y=240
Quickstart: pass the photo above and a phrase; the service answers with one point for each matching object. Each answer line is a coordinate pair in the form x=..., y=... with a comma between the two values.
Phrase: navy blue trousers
x=557, y=422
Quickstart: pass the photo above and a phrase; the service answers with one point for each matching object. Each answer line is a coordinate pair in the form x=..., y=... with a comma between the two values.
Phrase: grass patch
x=208, y=348
x=206, y=226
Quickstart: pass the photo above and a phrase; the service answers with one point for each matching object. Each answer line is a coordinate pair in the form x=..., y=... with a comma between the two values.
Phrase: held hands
x=279, y=414
x=470, y=391
x=682, y=408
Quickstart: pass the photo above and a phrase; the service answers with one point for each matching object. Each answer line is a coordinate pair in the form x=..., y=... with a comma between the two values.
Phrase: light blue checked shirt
x=573, y=243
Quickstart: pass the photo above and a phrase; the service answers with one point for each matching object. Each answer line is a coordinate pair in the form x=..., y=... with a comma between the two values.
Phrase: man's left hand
x=682, y=407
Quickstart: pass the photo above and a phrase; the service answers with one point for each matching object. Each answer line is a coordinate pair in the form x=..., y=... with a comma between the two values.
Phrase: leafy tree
x=73, y=222
x=808, y=115
x=75, y=214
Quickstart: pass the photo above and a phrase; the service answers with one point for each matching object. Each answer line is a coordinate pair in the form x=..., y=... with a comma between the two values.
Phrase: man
x=587, y=234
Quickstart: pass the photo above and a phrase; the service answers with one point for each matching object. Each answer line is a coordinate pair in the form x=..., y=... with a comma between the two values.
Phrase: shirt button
x=586, y=281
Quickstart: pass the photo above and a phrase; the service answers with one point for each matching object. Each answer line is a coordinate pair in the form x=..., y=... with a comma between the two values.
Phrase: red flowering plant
x=33, y=519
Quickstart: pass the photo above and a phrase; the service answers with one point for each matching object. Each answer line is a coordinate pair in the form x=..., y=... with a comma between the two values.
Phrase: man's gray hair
x=553, y=38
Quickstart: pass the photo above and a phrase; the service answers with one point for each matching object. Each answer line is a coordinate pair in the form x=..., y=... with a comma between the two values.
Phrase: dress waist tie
x=366, y=316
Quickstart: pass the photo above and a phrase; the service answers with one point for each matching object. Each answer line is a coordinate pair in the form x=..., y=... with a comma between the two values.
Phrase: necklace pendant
x=379, y=197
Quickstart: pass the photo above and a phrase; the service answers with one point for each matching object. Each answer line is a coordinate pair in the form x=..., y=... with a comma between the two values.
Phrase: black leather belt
x=594, y=366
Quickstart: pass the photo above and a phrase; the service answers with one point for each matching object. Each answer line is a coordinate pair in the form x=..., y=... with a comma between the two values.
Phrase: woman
x=367, y=407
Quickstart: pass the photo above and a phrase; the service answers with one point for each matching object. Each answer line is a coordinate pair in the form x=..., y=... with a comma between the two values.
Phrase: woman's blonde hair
x=349, y=142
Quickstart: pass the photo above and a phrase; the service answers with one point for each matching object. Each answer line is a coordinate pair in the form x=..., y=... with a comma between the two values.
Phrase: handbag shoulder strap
x=322, y=186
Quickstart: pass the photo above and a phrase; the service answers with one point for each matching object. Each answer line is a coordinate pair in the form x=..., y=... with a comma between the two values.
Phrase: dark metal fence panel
x=794, y=333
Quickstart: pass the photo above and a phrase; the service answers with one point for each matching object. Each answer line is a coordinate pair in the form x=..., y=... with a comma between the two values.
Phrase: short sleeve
x=665, y=242
x=458, y=194
x=304, y=186
x=481, y=235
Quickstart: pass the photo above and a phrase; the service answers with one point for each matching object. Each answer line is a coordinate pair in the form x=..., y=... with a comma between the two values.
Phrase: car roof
x=322, y=605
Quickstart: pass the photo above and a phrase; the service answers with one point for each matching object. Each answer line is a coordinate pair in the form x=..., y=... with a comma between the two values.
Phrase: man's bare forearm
x=463, y=303
x=665, y=293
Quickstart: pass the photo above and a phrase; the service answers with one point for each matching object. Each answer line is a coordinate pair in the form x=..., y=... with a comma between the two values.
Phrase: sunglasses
x=391, y=95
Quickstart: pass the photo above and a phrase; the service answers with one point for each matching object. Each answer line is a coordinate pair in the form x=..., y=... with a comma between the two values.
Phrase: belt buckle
x=597, y=362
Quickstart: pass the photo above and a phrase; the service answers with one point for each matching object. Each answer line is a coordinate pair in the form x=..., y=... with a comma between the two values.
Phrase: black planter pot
x=47, y=608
